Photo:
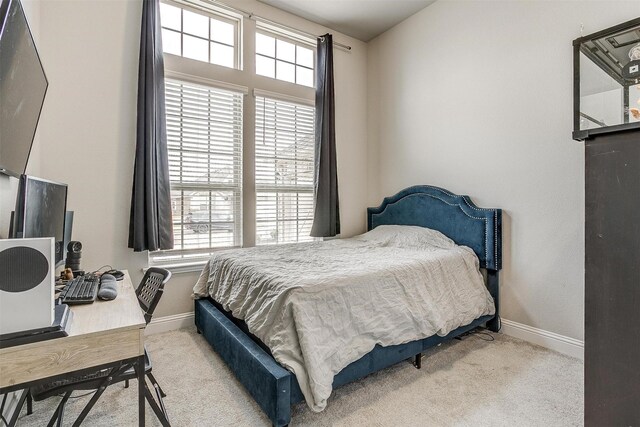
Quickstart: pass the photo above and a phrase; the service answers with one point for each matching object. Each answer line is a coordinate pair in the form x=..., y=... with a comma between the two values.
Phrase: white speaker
x=26, y=284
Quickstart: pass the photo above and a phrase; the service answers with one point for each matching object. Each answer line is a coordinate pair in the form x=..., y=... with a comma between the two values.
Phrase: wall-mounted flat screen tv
x=23, y=86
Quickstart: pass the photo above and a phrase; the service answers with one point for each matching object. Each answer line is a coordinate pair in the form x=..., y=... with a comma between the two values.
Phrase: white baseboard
x=560, y=343
x=169, y=323
x=551, y=340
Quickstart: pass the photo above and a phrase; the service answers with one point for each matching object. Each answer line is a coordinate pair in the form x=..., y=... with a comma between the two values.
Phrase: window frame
x=213, y=13
x=278, y=35
x=195, y=255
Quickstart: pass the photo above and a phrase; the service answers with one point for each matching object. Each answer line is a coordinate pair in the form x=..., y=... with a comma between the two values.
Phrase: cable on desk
x=106, y=265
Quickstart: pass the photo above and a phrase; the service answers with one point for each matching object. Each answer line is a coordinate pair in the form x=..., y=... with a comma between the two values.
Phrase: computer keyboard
x=81, y=290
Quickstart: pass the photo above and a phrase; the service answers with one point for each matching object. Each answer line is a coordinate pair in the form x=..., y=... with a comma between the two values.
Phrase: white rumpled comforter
x=321, y=305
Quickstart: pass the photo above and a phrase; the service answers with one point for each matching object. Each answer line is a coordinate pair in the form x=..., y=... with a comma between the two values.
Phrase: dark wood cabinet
x=612, y=280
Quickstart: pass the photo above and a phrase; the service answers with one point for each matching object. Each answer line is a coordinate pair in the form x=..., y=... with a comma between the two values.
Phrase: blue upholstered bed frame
x=274, y=388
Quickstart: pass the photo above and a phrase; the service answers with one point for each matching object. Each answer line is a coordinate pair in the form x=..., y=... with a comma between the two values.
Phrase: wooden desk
x=101, y=334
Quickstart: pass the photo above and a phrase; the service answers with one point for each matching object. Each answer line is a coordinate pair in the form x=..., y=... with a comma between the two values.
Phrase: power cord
x=487, y=336
x=480, y=334
x=78, y=397
x=106, y=265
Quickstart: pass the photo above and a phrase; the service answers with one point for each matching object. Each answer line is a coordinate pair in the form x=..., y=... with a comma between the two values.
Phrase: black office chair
x=149, y=293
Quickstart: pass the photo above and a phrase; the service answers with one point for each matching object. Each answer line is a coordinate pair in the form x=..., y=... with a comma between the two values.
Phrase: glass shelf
x=607, y=81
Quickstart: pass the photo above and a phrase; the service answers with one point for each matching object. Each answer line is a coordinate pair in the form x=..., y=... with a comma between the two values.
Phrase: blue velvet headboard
x=455, y=216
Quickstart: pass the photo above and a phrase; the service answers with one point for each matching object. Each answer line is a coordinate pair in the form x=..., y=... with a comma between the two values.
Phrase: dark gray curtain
x=150, y=225
x=326, y=218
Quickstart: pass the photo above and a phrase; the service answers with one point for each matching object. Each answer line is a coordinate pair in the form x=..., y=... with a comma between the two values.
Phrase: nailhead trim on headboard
x=495, y=230
x=488, y=214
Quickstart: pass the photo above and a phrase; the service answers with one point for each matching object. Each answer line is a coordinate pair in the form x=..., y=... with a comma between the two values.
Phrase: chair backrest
x=150, y=290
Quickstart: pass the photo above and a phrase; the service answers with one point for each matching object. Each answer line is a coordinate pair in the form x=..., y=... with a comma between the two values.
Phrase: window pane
x=195, y=24
x=304, y=76
x=205, y=219
x=195, y=48
x=196, y=36
x=222, y=32
x=171, y=42
x=170, y=16
x=286, y=51
x=304, y=56
x=285, y=71
x=265, y=45
x=283, y=217
x=222, y=55
x=265, y=66
x=293, y=63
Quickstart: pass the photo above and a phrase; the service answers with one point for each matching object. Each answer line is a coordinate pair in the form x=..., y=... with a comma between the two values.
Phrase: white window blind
x=204, y=133
x=284, y=171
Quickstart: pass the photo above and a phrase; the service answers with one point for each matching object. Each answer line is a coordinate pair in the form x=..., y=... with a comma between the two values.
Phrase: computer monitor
x=40, y=211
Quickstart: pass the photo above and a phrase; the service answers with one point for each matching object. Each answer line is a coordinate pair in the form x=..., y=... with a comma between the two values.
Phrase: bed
x=476, y=231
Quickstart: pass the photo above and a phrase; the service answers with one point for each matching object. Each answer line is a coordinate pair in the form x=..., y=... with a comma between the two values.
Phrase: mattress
x=319, y=306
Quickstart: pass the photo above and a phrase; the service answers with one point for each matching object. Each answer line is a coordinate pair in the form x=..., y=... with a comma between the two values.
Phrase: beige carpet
x=506, y=382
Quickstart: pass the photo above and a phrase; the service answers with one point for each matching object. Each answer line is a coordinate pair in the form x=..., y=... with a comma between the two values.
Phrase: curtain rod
x=255, y=17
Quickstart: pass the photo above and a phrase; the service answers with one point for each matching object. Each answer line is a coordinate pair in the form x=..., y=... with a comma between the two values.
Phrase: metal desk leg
x=16, y=412
x=140, y=372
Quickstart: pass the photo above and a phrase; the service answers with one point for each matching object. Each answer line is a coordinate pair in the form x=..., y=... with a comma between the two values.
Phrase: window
x=200, y=36
x=284, y=60
x=284, y=171
x=207, y=115
x=204, y=138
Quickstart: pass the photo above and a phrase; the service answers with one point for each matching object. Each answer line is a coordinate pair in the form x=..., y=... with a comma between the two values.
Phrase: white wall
x=87, y=131
x=476, y=97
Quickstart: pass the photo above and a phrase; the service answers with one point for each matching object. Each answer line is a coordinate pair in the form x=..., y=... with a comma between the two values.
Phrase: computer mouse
x=115, y=273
